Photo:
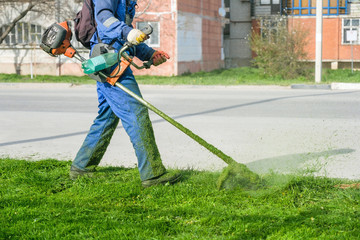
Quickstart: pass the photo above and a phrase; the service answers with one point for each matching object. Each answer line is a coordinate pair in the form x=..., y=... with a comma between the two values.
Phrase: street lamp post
x=319, y=28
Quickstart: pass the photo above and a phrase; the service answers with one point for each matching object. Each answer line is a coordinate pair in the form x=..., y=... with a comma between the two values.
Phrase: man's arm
x=108, y=25
x=144, y=52
x=112, y=28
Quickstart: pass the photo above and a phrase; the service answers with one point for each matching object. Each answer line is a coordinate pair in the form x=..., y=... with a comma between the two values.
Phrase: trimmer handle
x=147, y=30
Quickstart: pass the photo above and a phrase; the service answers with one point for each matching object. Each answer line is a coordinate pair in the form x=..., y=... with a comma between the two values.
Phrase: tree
x=46, y=7
x=31, y=5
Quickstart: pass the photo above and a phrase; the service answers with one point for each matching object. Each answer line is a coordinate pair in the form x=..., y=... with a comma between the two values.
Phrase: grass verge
x=235, y=76
x=38, y=201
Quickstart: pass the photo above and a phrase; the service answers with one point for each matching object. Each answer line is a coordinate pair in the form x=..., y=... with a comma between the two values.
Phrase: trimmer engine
x=56, y=40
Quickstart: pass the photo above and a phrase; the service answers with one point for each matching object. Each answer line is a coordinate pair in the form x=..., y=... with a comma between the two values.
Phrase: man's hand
x=136, y=36
x=159, y=57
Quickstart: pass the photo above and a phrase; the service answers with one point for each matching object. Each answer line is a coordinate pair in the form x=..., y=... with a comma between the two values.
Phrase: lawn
x=38, y=201
x=235, y=76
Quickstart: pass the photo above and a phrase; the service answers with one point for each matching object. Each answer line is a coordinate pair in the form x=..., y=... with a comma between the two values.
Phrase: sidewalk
x=332, y=86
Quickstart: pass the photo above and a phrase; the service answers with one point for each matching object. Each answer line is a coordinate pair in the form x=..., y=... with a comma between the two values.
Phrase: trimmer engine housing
x=56, y=40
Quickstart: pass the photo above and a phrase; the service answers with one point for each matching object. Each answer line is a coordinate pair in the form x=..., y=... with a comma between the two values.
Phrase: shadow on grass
x=186, y=174
x=110, y=169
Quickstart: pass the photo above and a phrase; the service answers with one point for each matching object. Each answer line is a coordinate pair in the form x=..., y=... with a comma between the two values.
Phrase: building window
x=269, y=2
x=308, y=7
x=154, y=40
x=274, y=5
x=23, y=34
x=269, y=27
x=351, y=30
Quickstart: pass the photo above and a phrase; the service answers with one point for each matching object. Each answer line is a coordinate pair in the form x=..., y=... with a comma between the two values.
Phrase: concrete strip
x=41, y=85
x=307, y=86
x=345, y=86
x=333, y=86
x=143, y=86
x=245, y=87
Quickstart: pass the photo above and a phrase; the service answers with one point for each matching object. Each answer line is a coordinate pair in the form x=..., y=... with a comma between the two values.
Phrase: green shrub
x=278, y=49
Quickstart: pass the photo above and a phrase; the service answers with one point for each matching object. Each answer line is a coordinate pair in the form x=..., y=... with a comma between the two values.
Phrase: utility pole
x=319, y=36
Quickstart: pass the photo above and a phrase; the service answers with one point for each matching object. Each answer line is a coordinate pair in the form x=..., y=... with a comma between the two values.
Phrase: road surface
x=267, y=128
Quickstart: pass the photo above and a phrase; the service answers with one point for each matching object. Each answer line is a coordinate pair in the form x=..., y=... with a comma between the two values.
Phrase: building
x=20, y=52
x=190, y=31
x=198, y=35
x=341, y=27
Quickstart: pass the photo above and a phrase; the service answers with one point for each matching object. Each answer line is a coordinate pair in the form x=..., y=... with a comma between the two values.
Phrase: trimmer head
x=239, y=176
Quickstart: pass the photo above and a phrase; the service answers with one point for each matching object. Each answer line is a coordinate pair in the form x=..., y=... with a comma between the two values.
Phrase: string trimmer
x=56, y=41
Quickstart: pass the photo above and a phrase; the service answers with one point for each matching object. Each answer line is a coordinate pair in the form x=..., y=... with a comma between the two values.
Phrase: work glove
x=159, y=57
x=136, y=36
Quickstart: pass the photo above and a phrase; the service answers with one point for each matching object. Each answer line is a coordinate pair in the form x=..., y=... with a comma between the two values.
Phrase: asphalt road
x=267, y=128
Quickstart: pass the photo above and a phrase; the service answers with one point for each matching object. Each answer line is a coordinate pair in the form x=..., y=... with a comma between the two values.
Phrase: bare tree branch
x=17, y=19
x=48, y=8
x=44, y=7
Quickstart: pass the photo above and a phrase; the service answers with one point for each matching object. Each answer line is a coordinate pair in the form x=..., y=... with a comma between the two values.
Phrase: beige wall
x=204, y=14
x=35, y=61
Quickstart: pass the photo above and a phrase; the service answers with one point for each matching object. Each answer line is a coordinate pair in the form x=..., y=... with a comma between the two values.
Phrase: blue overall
x=115, y=104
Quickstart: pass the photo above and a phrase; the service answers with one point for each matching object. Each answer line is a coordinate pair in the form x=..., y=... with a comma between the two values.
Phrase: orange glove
x=159, y=57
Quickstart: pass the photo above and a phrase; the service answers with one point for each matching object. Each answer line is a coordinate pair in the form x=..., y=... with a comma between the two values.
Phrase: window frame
x=21, y=35
x=265, y=4
x=349, y=28
x=271, y=2
x=341, y=8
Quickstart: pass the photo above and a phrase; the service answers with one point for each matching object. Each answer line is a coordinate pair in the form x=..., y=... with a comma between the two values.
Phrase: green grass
x=38, y=201
x=14, y=78
x=235, y=76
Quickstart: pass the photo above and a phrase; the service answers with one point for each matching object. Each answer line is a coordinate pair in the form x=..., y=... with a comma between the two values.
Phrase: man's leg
x=136, y=122
x=97, y=139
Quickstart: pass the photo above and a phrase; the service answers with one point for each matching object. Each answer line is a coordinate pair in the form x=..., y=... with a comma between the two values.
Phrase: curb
x=332, y=86
x=42, y=85
x=345, y=86
x=143, y=86
x=305, y=86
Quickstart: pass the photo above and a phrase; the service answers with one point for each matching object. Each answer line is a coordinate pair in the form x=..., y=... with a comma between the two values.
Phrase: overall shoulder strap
x=128, y=18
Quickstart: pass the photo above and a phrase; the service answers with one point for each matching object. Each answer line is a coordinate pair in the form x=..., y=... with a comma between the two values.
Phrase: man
x=114, y=19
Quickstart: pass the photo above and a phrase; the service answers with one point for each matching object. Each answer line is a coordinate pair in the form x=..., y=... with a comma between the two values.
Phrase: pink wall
x=333, y=49
x=161, y=11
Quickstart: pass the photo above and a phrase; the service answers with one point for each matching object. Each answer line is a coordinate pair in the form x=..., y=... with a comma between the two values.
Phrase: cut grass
x=234, y=76
x=38, y=201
